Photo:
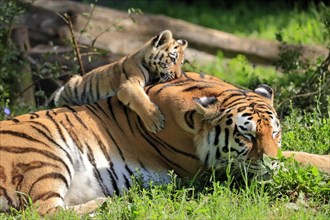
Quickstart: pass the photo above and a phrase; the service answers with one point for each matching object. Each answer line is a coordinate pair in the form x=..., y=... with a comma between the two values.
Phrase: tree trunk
x=22, y=90
x=204, y=43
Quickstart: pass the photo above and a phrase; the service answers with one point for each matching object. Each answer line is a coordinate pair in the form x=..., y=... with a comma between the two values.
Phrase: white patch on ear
x=262, y=91
x=265, y=91
x=205, y=101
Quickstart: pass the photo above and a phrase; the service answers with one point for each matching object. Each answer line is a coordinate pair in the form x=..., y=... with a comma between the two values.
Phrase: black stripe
x=246, y=114
x=49, y=176
x=100, y=108
x=97, y=174
x=34, y=115
x=90, y=97
x=196, y=87
x=208, y=138
x=127, y=183
x=97, y=89
x=83, y=96
x=128, y=119
x=147, y=138
x=169, y=147
x=218, y=154
x=142, y=165
x=207, y=158
x=25, y=150
x=65, y=96
x=50, y=139
x=188, y=116
x=58, y=128
x=105, y=153
x=42, y=125
x=48, y=195
x=76, y=140
x=129, y=170
x=23, y=136
x=168, y=85
x=182, y=82
x=68, y=120
x=217, y=134
x=114, y=182
x=15, y=120
x=68, y=100
x=75, y=114
x=225, y=147
x=112, y=113
x=100, y=119
x=234, y=101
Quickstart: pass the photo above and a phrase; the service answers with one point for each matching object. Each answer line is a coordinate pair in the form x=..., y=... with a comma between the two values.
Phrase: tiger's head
x=165, y=56
x=239, y=128
x=218, y=122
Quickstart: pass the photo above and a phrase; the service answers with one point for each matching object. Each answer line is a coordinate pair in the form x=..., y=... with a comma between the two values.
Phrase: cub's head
x=165, y=56
x=239, y=127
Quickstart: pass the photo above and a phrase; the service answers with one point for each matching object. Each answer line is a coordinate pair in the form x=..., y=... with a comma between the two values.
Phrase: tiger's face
x=165, y=56
x=239, y=129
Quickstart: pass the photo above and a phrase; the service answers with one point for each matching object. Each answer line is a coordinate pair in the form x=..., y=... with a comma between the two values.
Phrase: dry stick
x=88, y=21
x=67, y=20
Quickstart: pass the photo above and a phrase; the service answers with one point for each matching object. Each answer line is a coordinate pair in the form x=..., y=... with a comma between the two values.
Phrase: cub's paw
x=154, y=120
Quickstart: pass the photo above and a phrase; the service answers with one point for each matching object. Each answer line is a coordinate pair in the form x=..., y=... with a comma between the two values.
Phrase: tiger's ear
x=183, y=43
x=265, y=91
x=162, y=38
x=205, y=106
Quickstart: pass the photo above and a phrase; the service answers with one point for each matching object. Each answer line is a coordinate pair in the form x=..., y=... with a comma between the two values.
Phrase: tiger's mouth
x=165, y=77
x=240, y=167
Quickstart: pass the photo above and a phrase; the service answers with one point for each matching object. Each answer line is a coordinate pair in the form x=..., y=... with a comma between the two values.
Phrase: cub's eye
x=173, y=56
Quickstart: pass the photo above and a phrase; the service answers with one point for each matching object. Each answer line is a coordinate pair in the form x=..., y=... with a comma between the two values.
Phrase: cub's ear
x=162, y=38
x=183, y=43
x=265, y=91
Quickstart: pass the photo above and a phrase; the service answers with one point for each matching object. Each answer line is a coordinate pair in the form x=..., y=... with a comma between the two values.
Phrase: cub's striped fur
x=78, y=155
x=159, y=59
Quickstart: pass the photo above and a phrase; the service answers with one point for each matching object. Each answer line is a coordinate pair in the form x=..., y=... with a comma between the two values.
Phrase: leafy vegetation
x=303, y=102
x=243, y=19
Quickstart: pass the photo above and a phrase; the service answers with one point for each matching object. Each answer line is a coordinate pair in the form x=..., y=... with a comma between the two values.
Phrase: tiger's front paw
x=154, y=120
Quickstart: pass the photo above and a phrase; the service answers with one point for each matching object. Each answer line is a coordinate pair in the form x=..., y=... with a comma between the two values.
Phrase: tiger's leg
x=87, y=207
x=320, y=161
x=131, y=93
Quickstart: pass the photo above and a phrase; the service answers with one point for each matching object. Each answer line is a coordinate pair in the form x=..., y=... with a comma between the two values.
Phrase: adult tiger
x=55, y=155
x=159, y=59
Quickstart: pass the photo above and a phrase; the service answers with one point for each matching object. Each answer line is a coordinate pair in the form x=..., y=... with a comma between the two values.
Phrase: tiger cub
x=159, y=59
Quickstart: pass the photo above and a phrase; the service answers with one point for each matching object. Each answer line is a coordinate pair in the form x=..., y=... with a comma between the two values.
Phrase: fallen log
x=204, y=43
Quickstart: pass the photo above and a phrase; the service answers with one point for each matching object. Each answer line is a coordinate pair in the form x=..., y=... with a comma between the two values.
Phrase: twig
x=67, y=20
x=88, y=21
